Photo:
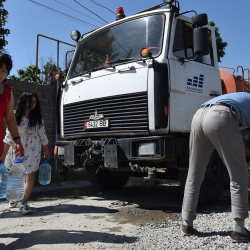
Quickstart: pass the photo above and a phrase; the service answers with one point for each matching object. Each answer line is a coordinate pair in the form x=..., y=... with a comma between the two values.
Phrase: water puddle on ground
x=137, y=203
x=138, y=216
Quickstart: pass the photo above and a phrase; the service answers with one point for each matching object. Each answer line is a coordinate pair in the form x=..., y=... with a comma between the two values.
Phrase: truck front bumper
x=141, y=149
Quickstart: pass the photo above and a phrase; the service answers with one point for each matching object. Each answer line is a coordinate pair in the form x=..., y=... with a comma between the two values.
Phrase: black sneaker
x=238, y=237
x=187, y=230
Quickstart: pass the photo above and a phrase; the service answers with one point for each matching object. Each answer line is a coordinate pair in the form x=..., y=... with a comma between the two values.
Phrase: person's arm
x=10, y=120
x=46, y=151
x=5, y=151
x=44, y=140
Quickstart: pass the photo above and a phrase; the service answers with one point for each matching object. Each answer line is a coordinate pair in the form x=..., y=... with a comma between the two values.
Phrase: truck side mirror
x=201, y=42
x=199, y=20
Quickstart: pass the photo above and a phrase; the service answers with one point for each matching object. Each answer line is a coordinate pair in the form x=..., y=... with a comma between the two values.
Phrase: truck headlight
x=146, y=148
x=75, y=35
x=168, y=1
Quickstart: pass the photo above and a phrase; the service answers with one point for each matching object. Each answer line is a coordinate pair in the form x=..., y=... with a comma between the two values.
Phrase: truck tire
x=106, y=180
x=213, y=182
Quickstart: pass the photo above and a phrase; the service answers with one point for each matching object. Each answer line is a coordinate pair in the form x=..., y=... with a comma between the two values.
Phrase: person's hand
x=19, y=151
x=46, y=154
x=2, y=159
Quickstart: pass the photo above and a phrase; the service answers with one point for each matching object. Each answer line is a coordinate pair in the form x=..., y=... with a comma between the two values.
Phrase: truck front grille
x=126, y=114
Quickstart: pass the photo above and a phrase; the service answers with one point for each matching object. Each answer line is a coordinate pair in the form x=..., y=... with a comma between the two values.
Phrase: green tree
x=13, y=77
x=3, y=19
x=27, y=75
x=49, y=71
x=221, y=45
x=44, y=77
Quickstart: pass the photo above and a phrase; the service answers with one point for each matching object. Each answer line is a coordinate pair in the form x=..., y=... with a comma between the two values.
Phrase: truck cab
x=133, y=86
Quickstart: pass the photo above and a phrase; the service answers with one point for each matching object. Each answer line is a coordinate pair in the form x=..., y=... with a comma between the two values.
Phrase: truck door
x=192, y=81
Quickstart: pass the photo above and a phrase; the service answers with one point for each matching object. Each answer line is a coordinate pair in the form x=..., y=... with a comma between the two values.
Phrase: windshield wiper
x=124, y=60
x=97, y=68
x=91, y=70
x=108, y=66
x=80, y=74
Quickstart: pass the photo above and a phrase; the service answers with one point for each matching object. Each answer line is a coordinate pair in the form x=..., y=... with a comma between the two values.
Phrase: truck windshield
x=122, y=41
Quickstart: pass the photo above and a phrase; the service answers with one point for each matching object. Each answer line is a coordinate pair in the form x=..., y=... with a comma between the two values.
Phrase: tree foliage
x=44, y=76
x=221, y=45
x=3, y=19
x=49, y=71
x=27, y=75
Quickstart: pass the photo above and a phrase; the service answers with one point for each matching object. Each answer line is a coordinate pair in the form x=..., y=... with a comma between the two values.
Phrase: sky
x=27, y=19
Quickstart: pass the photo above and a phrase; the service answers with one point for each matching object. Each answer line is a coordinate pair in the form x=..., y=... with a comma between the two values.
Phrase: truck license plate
x=96, y=124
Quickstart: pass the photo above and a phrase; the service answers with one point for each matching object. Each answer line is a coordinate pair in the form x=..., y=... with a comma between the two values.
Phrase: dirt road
x=78, y=217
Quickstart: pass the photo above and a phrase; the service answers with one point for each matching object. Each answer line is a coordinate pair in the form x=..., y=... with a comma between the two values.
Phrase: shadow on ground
x=52, y=237
x=59, y=209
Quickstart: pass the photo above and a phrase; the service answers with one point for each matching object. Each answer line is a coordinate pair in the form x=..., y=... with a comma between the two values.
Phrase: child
x=31, y=130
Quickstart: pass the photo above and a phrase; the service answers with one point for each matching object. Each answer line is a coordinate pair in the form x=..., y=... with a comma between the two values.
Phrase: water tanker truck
x=132, y=88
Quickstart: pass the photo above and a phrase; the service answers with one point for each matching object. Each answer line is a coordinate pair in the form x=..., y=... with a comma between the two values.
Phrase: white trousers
x=216, y=127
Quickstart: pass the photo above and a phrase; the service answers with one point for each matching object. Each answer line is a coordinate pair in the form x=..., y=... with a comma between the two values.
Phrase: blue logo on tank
x=195, y=84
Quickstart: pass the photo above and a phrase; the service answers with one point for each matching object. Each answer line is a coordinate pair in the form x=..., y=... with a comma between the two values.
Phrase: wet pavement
x=76, y=216
x=136, y=203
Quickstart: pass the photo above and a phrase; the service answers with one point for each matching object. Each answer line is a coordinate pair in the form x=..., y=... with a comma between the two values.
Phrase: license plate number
x=96, y=124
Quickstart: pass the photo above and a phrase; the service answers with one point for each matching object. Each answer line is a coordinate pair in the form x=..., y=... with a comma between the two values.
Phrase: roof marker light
x=119, y=13
x=57, y=76
x=146, y=53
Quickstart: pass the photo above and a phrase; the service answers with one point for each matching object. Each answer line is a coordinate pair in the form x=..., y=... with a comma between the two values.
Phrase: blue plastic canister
x=16, y=181
x=45, y=173
x=3, y=180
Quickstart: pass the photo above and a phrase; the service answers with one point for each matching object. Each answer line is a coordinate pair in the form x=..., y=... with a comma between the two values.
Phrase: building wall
x=47, y=98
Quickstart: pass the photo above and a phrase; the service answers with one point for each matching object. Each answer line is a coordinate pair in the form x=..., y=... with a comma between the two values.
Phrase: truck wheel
x=213, y=182
x=106, y=180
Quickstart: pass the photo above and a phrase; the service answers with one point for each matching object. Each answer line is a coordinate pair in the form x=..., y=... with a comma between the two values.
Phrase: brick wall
x=47, y=97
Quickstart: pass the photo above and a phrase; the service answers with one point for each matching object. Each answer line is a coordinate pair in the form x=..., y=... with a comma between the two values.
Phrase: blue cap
x=18, y=160
x=45, y=161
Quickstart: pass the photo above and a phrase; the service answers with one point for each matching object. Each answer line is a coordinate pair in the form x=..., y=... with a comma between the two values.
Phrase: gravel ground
x=212, y=232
